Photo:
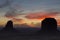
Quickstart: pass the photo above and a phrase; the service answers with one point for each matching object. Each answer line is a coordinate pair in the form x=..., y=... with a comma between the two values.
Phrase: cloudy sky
x=23, y=9
x=30, y=5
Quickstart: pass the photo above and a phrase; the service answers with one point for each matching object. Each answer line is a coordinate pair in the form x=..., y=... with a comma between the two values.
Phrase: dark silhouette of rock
x=9, y=26
x=49, y=25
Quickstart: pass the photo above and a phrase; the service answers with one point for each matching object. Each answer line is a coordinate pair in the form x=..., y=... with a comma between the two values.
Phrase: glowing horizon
x=30, y=19
x=28, y=11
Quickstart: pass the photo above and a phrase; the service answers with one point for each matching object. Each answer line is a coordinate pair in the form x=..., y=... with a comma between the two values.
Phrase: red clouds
x=41, y=15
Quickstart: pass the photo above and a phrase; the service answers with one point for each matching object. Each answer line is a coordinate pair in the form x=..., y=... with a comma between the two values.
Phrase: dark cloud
x=11, y=13
x=14, y=10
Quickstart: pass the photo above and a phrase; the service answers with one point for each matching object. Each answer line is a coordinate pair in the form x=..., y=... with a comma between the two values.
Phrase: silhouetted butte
x=49, y=25
x=9, y=26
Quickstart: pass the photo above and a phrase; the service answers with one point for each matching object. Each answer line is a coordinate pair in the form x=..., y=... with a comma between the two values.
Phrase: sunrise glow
x=29, y=12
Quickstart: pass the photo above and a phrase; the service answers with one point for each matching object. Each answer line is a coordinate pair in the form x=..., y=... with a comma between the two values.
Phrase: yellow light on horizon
x=3, y=21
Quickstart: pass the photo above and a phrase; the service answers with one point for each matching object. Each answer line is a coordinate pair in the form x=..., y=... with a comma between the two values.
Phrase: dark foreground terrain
x=28, y=34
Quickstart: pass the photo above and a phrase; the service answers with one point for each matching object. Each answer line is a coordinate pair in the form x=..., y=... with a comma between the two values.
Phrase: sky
x=26, y=10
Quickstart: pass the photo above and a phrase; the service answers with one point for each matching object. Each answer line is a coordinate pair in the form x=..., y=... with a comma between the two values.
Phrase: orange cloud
x=17, y=21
